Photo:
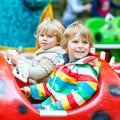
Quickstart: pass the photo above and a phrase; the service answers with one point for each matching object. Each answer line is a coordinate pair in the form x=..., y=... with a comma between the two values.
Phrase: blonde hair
x=50, y=26
x=79, y=30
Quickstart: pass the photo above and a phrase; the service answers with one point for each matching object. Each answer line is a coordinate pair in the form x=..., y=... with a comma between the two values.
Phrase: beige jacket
x=42, y=63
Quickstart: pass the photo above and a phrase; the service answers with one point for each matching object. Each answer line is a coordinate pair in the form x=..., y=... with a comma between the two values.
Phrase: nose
x=79, y=45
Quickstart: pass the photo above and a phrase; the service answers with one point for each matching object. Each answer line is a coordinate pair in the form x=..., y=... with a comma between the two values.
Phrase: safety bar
x=107, y=46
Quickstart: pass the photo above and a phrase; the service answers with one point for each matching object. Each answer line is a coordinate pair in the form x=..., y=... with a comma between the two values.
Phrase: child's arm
x=40, y=69
x=38, y=91
x=43, y=69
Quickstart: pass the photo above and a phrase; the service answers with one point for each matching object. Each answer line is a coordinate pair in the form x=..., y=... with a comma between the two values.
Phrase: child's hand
x=11, y=52
x=13, y=56
x=26, y=91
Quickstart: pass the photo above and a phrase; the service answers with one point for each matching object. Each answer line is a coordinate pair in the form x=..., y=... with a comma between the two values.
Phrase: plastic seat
x=15, y=106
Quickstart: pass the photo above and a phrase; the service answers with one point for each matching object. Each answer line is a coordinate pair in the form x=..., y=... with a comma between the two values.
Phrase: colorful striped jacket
x=70, y=85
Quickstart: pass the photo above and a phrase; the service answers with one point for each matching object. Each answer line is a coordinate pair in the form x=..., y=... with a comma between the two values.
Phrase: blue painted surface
x=18, y=22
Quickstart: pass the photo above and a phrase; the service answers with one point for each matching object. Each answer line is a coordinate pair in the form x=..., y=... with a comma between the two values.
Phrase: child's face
x=47, y=41
x=78, y=48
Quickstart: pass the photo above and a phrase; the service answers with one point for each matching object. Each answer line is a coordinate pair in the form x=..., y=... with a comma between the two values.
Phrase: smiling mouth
x=79, y=51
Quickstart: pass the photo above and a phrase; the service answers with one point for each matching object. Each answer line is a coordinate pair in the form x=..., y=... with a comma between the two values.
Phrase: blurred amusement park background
x=19, y=19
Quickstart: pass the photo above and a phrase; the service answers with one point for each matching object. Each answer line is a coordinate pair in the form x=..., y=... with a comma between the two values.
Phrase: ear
x=91, y=45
